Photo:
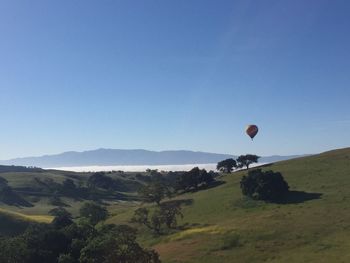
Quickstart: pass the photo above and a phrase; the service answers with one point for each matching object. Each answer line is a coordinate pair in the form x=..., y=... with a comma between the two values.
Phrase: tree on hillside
x=116, y=244
x=247, y=160
x=260, y=185
x=55, y=199
x=93, y=212
x=141, y=217
x=62, y=217
x=69, y=185
x=60, y=211
x=14, y=250
x=3, y=182
x=227, y=165
x=169, y=212
x=189, y=180
x=69, y=188
x=194, y=178
x=61, y=221
x=165, y=216
x=100, y=180
x=44, y=244
x=205, y=177
x=154, y=192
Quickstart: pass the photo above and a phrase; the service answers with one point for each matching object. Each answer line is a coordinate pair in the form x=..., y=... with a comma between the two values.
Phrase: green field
x=219, y=225
x=223, y=227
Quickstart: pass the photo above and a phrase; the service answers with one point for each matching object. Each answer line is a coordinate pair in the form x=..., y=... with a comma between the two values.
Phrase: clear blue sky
x=79, y=75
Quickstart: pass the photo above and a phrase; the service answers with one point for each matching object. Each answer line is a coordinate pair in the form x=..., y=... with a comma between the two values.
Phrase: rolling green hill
x=34, y=188
x=221, y=226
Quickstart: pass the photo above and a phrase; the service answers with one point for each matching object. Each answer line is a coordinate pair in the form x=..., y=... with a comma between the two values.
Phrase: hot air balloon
x=252, y=130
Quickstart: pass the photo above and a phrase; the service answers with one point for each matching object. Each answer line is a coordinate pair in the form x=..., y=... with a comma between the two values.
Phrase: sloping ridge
x=313, y=224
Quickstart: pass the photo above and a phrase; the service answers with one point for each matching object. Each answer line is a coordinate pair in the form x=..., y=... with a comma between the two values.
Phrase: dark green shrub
x=93, y=212
x=268, y=185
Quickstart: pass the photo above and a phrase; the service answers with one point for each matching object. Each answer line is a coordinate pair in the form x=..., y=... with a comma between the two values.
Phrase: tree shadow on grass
x=216, y=183
x=187, y=226
x=297, y=197
x=16, y=200
x=263, y=165
x=213, y=184
x=179, y=202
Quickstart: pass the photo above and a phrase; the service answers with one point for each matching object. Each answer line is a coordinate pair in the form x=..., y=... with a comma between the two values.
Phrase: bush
x=93, y=212
x=260, y=185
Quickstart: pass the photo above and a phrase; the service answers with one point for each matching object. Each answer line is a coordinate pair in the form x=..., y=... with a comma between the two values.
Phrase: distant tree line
x=228, y=165
x=98, y=186
x=161, y=186
x=19, y=169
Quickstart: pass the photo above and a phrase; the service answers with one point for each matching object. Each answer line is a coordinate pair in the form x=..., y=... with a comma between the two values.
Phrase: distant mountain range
x=104, y=157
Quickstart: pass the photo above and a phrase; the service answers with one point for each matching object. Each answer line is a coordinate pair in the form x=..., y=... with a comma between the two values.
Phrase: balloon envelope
x=252, y=130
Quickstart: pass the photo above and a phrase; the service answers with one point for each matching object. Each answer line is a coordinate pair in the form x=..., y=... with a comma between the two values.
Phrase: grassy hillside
x=221, y=226
x=13, y=223
x=25, y=217
x=36, y=186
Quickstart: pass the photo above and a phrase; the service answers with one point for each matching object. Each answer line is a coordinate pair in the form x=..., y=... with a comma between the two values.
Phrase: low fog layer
x=141, y=168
